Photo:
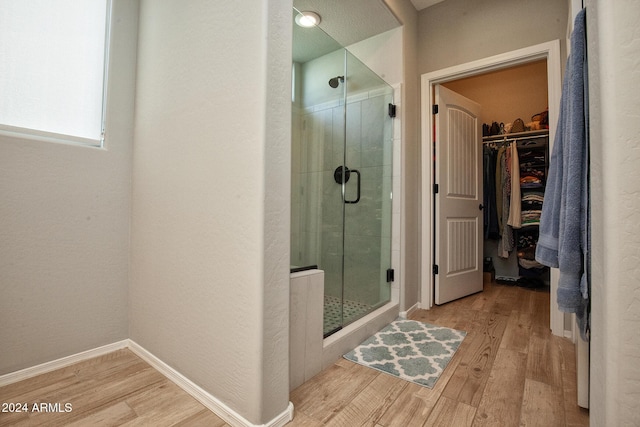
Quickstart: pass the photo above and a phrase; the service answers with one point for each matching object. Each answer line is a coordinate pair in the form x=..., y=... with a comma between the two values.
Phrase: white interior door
x=458, y=201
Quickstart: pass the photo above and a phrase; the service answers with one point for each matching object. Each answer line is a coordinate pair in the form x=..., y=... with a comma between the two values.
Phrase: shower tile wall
x=317, y=234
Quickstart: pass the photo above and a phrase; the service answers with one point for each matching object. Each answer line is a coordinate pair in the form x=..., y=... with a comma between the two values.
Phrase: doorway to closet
x=506, y=96
x=533, y=84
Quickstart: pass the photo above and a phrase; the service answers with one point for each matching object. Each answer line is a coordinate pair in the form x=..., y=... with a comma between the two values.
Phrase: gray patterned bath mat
x=411, y=350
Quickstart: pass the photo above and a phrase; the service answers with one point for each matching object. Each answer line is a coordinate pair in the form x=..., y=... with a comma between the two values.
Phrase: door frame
x=549, y=51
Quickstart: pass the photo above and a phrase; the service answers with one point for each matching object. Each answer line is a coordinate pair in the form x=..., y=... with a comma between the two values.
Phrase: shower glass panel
x=341, y=176
x=367, y=222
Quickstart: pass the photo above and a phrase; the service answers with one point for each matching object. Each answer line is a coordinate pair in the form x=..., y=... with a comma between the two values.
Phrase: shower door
x=341, y=178
x=367, y=197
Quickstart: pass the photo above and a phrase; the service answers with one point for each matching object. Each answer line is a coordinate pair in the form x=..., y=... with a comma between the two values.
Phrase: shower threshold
x=336, y=314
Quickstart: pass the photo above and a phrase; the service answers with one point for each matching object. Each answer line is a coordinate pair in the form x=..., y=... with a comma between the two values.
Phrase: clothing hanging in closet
x=518, y=187
x=500, y=185
x=506, y=243
x=491, y=227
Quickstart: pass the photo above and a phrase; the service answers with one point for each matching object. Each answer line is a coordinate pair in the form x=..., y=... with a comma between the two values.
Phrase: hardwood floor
x=118, y=389
x=509, y=371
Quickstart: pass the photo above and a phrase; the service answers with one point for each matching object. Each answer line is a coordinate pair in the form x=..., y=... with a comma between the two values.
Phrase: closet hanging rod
x=517, y=138
x=526, y=134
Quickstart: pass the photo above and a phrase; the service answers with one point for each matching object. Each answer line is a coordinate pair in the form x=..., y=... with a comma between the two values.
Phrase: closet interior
x=514, y=178
x=518, y=92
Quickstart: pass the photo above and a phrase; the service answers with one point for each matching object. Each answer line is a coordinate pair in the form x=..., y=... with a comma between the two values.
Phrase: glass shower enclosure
x=341, y=176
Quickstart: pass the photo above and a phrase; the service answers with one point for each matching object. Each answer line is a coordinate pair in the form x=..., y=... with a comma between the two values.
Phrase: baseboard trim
x=408, y=313
x=198, y=393
x=219, y=408
x=282, y=419
x=63, y=362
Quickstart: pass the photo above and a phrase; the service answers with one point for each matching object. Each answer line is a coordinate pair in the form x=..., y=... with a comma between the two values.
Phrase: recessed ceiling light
x=307, y=19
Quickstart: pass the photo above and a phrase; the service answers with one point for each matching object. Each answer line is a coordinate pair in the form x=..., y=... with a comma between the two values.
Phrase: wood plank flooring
x=509, y=371
x=117, y=389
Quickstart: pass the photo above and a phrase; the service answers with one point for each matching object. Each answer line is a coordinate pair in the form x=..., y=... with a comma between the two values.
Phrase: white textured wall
x=382, y=54
x=64, y=229
x=614, y=73
x=459, y=31
x=210, y=224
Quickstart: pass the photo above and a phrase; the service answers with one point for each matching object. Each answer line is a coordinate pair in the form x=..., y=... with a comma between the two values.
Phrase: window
x=53, y=68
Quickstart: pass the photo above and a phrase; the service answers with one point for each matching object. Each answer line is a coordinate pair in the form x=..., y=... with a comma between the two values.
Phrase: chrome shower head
x=334, y=82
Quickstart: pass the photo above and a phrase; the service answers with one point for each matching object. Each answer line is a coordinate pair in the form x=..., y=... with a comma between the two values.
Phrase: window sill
x=36, y=135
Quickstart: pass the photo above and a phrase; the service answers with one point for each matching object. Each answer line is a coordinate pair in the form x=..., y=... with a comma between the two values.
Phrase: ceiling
x=347, y=22
x=423, y=4
x=311, y=43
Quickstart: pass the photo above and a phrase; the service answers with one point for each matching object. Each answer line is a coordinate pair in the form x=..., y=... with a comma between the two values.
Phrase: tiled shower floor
x=333, y=314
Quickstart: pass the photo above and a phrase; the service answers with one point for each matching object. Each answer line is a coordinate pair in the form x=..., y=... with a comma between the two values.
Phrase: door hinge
x=436, y=188
x=392, y=110
x=435, y=109
x=435, y=268
x=391, y=275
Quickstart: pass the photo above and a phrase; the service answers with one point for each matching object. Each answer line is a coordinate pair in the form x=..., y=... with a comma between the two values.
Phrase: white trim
x=363, y=322
x=105, y=72
x=410, y=311
x=549, y=51
x=348, y=338
x=198, y=393
x=43, y=368
x=37, y=135
x=207, y=399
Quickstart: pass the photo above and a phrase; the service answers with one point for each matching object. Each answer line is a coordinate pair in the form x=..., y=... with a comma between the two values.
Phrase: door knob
x=480, y=206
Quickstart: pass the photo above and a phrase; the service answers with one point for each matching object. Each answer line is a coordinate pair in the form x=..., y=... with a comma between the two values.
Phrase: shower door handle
x=357, y=172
